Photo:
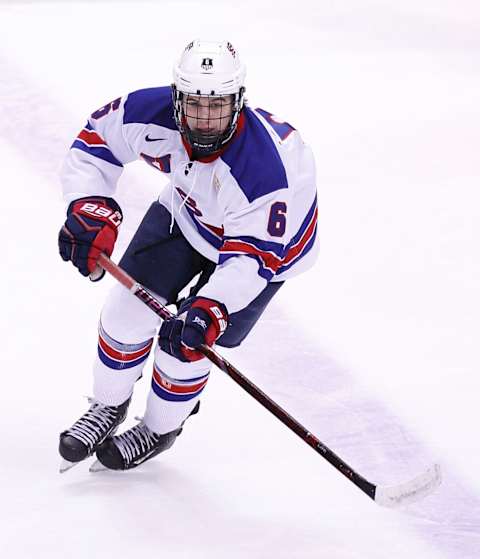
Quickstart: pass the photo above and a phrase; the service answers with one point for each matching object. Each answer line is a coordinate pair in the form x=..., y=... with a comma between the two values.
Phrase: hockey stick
x=390, y=496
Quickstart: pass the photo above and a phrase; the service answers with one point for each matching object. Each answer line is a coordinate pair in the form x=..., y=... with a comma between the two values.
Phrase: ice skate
x=135, y=446
x=132, y=448
x=86, y=434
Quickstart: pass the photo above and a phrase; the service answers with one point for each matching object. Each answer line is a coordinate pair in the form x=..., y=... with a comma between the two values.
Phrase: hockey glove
x=91, y=228
x=203, y=322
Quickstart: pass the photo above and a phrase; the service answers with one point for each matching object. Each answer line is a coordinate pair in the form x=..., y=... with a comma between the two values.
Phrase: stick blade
x=411, y=491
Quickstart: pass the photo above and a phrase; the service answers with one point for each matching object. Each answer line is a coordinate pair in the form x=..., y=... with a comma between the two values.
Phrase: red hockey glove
x=205, y=321
x=91, y=228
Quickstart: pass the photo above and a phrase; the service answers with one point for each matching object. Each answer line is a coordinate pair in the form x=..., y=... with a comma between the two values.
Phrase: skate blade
x=65, y=465
x=97, y=466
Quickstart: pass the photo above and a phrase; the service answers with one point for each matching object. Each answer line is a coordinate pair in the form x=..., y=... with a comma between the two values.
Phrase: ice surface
x=375, y=350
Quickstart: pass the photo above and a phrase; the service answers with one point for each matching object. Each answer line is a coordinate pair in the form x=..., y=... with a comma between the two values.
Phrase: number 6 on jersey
x=277, y=221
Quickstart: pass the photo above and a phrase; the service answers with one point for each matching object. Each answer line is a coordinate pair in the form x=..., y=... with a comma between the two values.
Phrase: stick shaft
x=158, y=308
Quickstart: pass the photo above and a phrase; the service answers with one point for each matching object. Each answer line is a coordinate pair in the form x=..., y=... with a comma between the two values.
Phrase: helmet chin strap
x=202, y=144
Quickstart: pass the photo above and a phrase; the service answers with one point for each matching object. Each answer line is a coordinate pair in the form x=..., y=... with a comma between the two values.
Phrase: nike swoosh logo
x=148, y=139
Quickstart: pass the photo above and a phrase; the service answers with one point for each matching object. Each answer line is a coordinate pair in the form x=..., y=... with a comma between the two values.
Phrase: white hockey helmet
x=209, y=69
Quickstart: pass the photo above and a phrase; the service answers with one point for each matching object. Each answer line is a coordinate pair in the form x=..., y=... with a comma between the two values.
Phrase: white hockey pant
x=127, y=332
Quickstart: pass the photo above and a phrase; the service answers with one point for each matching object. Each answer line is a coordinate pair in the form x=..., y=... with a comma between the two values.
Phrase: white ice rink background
x=376, y=349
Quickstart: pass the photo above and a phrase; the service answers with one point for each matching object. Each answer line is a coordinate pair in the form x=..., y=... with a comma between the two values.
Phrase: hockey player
x=239, y=215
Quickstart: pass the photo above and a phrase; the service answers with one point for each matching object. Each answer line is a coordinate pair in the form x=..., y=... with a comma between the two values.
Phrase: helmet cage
x=206, y=143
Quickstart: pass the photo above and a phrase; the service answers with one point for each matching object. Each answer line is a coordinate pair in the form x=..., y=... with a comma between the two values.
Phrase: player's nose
x=203, y=111
x=204, y=122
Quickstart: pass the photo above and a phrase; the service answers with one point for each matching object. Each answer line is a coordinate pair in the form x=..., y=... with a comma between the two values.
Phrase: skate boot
x=135, y=446
x=86, y=434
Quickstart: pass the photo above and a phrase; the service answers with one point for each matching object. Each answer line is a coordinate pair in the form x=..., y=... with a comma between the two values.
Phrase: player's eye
x=220, y=104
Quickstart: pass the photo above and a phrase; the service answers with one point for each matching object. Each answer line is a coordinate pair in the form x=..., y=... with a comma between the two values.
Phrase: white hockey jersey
x=252, y=209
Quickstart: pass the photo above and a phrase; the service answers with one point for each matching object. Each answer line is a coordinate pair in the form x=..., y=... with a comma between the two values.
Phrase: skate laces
x=135, y=442
x=95, y=424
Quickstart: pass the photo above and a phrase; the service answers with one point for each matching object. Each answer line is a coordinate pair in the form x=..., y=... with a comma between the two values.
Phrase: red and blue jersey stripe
x=274, y=258
x=268, y=254
x=90, y=141
x=302, y=241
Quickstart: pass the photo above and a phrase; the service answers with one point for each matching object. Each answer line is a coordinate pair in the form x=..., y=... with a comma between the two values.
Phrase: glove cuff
x=99, y=208
x=218, y=314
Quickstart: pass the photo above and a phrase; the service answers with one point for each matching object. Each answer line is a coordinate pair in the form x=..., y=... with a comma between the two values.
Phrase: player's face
x=208, y=115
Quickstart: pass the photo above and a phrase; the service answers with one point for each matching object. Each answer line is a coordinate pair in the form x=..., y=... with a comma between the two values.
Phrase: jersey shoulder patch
x=150, y=106
x=254, y=160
